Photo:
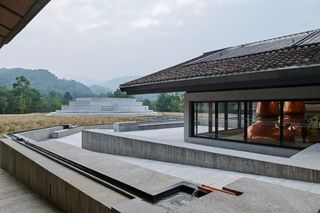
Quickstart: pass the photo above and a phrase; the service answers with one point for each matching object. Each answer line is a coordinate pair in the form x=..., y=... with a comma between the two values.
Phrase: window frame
x=248, y=120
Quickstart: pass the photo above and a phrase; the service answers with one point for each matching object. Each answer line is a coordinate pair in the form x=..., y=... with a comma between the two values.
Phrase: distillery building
x=261, y=93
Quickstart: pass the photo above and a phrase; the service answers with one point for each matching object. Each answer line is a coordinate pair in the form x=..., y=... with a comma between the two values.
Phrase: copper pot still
x=268, y=109
x=294, y=108
x=266, y=128
x=294, y=112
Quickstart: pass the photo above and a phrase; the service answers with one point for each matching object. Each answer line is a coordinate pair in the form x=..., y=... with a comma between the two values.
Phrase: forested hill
x=44, y=81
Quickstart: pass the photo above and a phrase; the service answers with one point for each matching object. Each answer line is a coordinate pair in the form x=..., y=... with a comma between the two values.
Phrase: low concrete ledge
x=59, y=131
x=74, y=130
x=66, y=132
x=135, y=126
x=120, y=144
x=100, y=126
x=41, y=134
x=66, y=189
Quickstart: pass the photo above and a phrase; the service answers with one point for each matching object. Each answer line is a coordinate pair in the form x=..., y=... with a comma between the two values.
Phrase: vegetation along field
x=22, y=122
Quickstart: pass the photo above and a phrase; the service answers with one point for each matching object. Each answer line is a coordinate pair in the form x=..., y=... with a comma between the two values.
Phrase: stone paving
x=16, y=197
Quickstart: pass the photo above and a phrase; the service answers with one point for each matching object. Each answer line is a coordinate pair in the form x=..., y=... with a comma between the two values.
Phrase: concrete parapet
x=135, y=126
x=66, y=189
x=119, y=144
x=66, y=132
x=59, y=131
x=41, y=134
x=100, y=126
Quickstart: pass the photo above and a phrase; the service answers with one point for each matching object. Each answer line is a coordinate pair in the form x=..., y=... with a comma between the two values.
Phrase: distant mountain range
x=44, y=81
x=113, y=84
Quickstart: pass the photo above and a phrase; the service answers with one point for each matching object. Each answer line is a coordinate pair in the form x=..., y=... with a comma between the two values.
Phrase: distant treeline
x=22, y=98
x=166, y=102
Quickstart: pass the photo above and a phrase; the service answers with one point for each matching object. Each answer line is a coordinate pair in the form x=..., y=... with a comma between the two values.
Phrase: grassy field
x=16, y=123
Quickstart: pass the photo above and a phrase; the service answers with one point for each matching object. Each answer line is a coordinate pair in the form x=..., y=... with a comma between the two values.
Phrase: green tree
x=170, y=102
x=20, y=90
x=150, y=104
x=33, y=100
x=67, y=97
x=4, y=102
x=54, y=101
x=119, y=94
x=24, y=98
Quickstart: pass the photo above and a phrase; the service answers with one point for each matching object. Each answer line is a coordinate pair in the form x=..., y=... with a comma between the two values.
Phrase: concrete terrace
x=156, y=181
x=215, y=177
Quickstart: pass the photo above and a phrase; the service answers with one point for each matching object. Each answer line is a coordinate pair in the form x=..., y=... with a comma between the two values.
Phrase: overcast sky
x=96, y=40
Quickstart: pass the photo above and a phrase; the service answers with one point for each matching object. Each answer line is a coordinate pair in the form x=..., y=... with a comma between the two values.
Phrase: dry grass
x=16, y=123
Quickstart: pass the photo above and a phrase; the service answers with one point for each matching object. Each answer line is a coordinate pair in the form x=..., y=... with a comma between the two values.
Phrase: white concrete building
x=100, y=105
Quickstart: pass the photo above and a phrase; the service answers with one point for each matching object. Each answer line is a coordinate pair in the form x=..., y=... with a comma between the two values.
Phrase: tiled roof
x=295, y=50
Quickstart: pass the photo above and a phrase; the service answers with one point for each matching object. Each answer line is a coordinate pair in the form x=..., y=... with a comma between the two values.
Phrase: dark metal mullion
x=250, y=112
x=216, y=121
x=245, y=135
x=210, y=117
x=281, y=123
x=239, y=114
x=226, y=116
x=192, y=119
x=196, y=111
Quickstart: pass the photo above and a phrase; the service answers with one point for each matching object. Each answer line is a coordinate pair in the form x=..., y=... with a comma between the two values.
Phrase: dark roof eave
x=283, y=77
x=35, y=9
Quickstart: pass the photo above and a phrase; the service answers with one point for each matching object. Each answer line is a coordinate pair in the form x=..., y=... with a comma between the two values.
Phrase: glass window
x=201, y=119
x=282, y=123
x=301, y=123
x=221, y=116
x=230, y=124
x=265, y=127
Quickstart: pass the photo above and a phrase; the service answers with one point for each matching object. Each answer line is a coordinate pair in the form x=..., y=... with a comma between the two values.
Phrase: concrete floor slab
x=257, y=197
x=195, y=174
x=144, y=179
x=174, y=136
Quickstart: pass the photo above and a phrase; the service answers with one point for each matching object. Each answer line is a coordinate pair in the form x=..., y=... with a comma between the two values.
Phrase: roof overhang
x=15, y=15
x=284, y=77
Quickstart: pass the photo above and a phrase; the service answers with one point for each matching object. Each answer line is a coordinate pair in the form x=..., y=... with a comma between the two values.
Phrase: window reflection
x=230, y=117
x=283, y=123
x=301, y=120
x=202, y=118
x=266, y=128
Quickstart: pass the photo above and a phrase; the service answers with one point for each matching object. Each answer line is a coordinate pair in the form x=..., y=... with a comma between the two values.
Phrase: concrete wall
x=59, y=131
x=55, y=183
x=66, y=132
x=114, y=143
x=41, y=134
x=126, y=126
x=101, y=126
x=135, y=126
